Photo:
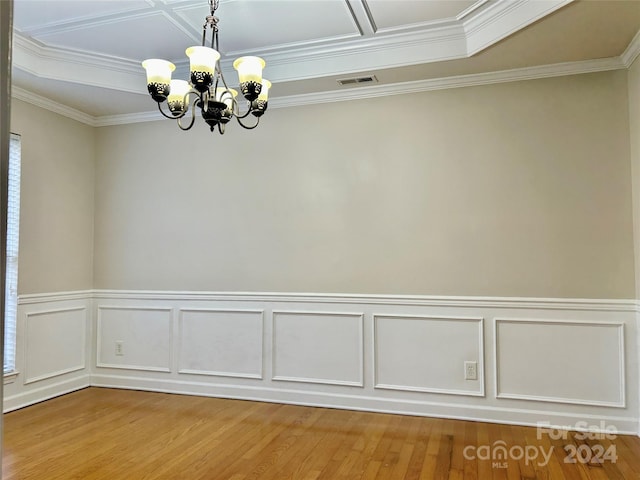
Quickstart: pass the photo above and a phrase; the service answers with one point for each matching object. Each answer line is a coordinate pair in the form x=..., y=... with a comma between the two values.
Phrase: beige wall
x=634, y=136
x=634, y=129
x=56, y=227
x=517, y=189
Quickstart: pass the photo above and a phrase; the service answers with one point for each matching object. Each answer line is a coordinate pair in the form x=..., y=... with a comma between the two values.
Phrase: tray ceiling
x=86, y=54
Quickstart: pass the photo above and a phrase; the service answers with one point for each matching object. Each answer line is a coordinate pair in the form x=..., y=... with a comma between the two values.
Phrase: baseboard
x=509, y=416
x=37, y=395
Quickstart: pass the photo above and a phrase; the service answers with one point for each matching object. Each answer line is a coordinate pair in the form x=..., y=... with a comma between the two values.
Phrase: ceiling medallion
x=208, y=90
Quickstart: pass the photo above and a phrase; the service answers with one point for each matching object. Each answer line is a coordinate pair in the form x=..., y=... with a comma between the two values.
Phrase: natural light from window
x=13, y=235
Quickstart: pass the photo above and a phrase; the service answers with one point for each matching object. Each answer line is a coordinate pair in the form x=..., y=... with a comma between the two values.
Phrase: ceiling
x=82, y=57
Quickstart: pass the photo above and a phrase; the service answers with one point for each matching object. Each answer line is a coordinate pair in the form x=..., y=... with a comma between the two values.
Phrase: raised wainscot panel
x=560, y=361
x=136, y=338
x=221, y=342
x=55, y=342
x=428, y=353
x=318, y=347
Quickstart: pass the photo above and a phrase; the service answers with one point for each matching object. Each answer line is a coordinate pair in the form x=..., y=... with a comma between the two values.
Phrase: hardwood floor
x=112, y=434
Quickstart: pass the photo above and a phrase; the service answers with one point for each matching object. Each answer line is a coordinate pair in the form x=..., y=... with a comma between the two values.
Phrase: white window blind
x=13, y=233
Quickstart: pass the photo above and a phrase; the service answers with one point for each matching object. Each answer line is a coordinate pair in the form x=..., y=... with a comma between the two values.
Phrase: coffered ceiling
x=82, y=57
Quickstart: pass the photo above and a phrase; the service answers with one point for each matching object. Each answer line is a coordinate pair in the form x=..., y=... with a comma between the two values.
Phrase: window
x=13, y=231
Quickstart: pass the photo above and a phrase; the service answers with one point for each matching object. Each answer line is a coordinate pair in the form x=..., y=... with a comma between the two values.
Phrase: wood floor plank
x=109, y=434
x=414, y=466
x=470, y=468
x=365, y=447
x=329, y=434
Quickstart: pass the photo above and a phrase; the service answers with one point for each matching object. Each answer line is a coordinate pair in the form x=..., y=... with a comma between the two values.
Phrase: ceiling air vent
x=358, y=80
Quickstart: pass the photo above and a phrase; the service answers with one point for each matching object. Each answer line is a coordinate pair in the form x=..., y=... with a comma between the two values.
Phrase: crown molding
x=124, y=119
x=365, y=54
x=459, y=38
x=530, y=73
x=88, y=68
x=360, y=93
x=470, y=9
x=501, y=19
x=504, y=76
x=632, y=51
x=43, y=102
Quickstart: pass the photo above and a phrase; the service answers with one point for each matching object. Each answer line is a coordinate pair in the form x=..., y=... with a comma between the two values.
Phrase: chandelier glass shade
x=207, y=90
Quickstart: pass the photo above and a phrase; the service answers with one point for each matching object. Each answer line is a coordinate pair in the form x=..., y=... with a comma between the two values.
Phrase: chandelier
x=208, y=90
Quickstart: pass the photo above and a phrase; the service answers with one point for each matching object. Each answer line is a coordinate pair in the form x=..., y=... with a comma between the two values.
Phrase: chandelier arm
x=193, y=117
x=249, y=127
x=185, y=100
x=239, y=117
x=188, y=127
x=236, y=110
x=170, y=117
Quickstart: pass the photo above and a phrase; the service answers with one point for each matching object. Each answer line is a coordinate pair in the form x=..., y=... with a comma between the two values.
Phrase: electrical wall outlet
x=119, y=348
x=470, y=370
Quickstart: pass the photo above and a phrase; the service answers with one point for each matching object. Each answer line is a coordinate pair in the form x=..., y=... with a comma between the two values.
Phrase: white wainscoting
x=53, y=347
x=55, y=343
x=318, y=347
x=221, y=342
x=144, y=333
x=538, y=360
x=587, y=360
x=427, y=354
